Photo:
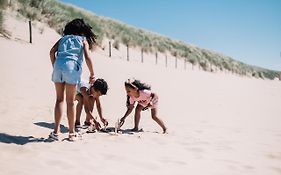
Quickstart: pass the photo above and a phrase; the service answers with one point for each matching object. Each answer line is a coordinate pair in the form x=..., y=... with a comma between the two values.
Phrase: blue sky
x=246, y=30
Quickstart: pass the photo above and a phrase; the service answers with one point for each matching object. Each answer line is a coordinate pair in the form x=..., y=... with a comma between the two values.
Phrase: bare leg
x=91, y=107
x=137, y=117
x=59, y=105
x=157, y=119
x=70, y=95
x=79, y=107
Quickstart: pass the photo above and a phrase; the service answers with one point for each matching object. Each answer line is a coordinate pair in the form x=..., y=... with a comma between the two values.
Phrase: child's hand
x=104, y=121
x=122, y=121
x=91, y=80
x=154, y=99
x=97, y=125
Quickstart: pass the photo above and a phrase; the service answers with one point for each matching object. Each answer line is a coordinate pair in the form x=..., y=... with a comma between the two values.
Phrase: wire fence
x=131, y=54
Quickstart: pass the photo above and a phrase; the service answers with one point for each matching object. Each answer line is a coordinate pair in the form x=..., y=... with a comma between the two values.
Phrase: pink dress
x=145, y=99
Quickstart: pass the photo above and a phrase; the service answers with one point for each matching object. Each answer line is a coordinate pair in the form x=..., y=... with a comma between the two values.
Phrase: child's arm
x=99, y=108
x=128, y=112
x=86, y=102
x=53, y=52
x=88, y=61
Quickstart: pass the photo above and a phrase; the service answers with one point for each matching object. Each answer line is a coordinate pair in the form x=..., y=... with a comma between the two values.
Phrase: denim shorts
x=66, y=72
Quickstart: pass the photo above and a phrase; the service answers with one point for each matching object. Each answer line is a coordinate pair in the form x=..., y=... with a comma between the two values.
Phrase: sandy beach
x=218, y=123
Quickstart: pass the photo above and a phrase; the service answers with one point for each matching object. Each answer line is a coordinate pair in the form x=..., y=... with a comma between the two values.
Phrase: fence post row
x=142, y=54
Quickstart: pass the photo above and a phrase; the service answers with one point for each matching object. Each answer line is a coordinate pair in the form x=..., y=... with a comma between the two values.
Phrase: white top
x=83, y=84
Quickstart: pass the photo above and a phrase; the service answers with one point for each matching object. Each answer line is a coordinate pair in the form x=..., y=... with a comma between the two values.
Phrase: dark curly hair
x=137, y=84
x=79, y=27
x=100, y=85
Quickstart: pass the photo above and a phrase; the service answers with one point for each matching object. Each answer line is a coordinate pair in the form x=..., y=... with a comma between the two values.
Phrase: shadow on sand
x=20, y=140
x=63, y=128
x=122, y=131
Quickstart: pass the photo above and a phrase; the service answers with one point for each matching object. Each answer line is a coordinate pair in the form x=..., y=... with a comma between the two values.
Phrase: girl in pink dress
x=141, y=93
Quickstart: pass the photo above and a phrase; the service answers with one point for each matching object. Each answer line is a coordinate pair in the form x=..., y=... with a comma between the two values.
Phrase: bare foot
x=165, y=131
x=135, y=129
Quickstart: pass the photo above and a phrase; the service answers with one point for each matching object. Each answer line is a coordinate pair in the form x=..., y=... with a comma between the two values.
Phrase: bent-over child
x=141, y=93
x=87, y=96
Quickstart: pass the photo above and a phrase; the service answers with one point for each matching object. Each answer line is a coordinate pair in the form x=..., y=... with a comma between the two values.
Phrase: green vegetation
x=1, y=21
x=3, y=5
x=56, y=15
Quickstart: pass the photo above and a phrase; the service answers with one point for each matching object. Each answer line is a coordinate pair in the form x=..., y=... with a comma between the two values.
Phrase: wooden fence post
x=30, y=31
x=109, y=48
x=142, y=55
x=127, y=52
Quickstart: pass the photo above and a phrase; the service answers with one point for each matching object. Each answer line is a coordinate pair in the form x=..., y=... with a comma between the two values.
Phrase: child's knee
x=59, y=100
x=70, y=103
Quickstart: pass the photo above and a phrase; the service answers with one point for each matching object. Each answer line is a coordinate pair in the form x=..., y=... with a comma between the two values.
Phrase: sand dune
x=218, y=123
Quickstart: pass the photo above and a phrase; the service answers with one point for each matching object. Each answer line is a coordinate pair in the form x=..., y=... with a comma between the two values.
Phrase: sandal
x=72, y=137
x=86, y=125
x=54, y=136
x=77, y=125
x=91, y=129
